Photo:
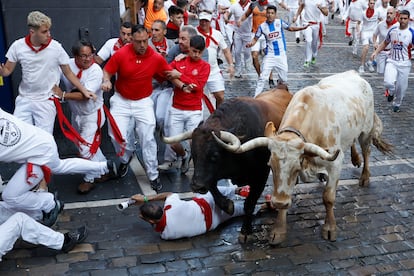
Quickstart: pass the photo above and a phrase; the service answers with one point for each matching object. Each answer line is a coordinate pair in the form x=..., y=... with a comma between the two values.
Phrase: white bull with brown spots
x=320, y=122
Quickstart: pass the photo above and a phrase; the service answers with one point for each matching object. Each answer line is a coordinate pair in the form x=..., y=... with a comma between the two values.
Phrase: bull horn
x=177, y=138
x=233, y=143
x=254, y=143
x=317, y=150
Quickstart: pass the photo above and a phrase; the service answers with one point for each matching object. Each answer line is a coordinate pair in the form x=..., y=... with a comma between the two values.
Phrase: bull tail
x=377, y=140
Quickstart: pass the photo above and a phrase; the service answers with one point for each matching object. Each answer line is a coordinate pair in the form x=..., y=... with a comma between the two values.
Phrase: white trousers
x=311, y=35
x=396, y=80
x=279, y=63
x=87, y=126
x=142, y=112
x=18, y=195
x=21, y=225
x=290, y=14
x=381, y=59
x=39, y=113
x=240, y=51
x=162, y=98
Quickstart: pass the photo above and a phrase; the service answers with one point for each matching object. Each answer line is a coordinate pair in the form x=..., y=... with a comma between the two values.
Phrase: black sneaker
x=271, y=84
x=396, y=109
x=350, y=43
x=123, y=168
x=112, y=172
x=297, y=40
x=49, y=219
x=390, y=98
x=185, y=163
x=73, y=238
x=156, y=184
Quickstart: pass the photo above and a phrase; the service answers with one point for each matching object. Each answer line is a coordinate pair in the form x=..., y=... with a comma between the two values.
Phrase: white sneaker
x=361, y=69
x=168, y=165
x=370, y=66
x=354, y=52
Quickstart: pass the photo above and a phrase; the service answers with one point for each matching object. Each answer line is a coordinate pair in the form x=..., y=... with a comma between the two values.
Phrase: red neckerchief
x=47, y=173
x=79, y=74
x=206, y=210
x=42, y=46
x=245, y=4
x=391, y=23
x=115, y=131
x=160, y=226
x=207, y=36
x=118, y=45
x=263, y=3
x=370, y=12
x=172, y=26
x=161, y=46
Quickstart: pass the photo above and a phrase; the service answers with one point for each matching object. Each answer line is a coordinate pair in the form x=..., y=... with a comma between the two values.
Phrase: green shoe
x=313, y=61
x=306, y=64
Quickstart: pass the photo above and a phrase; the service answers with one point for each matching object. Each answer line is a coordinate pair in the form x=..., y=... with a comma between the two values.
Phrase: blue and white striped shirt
x=275, y=36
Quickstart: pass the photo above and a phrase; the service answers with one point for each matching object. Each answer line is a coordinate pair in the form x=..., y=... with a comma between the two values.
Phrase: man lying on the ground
x=180, y=218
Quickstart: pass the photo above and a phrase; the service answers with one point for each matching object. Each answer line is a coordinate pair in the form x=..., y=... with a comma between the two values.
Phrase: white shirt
x=237, y=11
x=21, y=142
x=91, y=79
x=382, y=30
x=355, y=10
x=401, y=41
x=213, y=50
x=185, y=219
x=107, y=50
x=310, y=11
x=369, y=24
x=40, y=71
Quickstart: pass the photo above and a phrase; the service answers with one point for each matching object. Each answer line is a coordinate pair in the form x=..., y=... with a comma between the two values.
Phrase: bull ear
x=270, y=129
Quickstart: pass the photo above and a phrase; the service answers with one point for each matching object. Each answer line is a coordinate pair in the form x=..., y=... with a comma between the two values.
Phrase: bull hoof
x=277, y=237
x=356, y=162
x=328, y=234
x=364, y=182
x=243, y=239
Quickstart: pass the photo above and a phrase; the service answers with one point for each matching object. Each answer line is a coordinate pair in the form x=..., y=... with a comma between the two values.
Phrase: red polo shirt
x=135, y=72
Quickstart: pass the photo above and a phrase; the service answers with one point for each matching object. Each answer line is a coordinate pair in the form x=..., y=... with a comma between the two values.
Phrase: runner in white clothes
x=398, y=65
x=312, y=10
x=186, y=218
x=353, y=23
x=88, y=117
x=36, y=149
x=292, y=8
x=379, y=36
x=242, y=35
x=42, y=59
x=275, y=52
x=370, y=20
x=114, y=44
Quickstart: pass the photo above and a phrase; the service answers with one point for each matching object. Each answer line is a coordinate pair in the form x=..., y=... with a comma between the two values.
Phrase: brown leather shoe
x=103, y=178
x=86, y=187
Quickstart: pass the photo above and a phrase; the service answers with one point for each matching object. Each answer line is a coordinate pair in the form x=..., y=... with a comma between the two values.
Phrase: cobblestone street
x=375, y=223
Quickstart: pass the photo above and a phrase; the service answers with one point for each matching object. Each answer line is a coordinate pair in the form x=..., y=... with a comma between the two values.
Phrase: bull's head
x=287, y=152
